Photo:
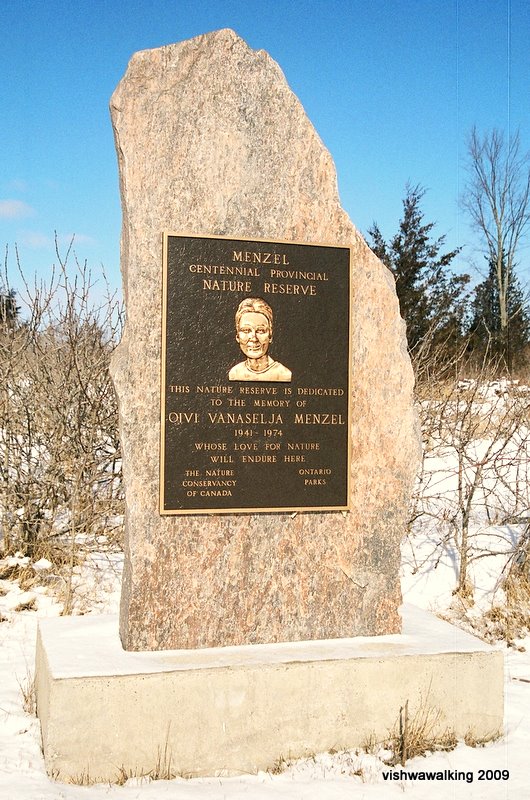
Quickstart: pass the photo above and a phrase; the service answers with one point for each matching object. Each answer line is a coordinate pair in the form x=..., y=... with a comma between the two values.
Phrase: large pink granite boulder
x=211, y=140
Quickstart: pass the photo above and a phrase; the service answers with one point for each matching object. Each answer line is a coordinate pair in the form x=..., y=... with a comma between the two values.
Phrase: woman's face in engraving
x=253, y=334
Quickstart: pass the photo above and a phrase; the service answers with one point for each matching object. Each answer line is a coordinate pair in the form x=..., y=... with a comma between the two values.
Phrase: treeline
x=448, y=320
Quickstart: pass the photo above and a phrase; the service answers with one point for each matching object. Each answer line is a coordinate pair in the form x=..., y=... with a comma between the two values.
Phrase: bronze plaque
x=255, y=376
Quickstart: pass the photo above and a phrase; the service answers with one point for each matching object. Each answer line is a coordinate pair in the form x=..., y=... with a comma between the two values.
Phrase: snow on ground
x=324, y=777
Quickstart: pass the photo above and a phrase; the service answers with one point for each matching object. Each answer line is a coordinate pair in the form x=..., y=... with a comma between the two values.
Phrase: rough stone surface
x=211, y=140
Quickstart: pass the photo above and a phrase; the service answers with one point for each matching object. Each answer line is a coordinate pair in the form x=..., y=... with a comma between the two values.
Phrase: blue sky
x=392, y=86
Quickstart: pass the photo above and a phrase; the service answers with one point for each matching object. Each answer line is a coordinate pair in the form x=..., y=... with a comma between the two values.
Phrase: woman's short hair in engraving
x=256, y=305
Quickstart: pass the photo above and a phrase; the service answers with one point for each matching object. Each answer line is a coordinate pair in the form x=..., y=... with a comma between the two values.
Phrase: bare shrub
x=475, y=470
x=60, y=464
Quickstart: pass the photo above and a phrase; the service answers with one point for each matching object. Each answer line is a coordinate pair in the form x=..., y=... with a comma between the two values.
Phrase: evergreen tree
x=432, y=299
x=506, y=343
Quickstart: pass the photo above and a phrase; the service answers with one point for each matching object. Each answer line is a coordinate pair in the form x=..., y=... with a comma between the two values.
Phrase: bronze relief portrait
x=254, y=328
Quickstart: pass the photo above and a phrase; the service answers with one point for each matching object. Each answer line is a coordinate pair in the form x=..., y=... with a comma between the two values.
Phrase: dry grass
x=161, y=771
x=279, y=766
x=29, y=695
x=472, y=740
x=27, y=605
x=83, y=779
x=282, y=763
x=9, y=572
x=504, y=623
x=371, y=745
x=418, y=734
x=26, y=576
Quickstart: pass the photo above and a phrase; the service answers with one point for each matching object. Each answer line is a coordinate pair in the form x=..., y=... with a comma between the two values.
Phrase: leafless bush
x=475, y=471
x=60, y=464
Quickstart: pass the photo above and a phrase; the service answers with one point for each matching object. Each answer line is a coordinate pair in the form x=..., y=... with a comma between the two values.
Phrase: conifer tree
x=432, y=299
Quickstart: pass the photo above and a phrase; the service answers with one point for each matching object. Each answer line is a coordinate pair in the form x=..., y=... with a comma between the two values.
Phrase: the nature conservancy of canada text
x=446, y=775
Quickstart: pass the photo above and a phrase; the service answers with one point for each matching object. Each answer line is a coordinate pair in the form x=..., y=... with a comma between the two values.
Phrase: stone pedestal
x=106, y=712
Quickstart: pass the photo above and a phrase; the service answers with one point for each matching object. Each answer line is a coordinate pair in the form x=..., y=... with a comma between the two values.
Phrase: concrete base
x=105, y=711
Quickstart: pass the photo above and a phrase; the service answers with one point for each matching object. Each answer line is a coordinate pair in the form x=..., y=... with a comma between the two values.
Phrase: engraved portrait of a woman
x=254, y=326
